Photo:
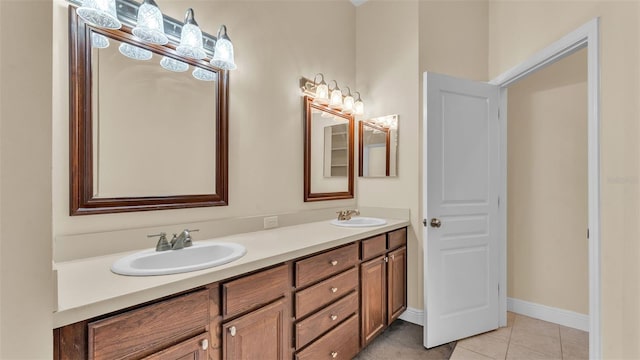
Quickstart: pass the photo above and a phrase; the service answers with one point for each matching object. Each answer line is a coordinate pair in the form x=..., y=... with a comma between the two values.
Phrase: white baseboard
x=547, y=313
x=414, y=316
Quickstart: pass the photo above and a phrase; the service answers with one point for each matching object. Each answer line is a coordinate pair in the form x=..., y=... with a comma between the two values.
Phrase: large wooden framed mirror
x=143, y=137
x=328, y=153
x=378, y=147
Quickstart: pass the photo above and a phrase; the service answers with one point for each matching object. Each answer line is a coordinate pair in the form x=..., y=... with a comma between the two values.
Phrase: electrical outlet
x=270, y=222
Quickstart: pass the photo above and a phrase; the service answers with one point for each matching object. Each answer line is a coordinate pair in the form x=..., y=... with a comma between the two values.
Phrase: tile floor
x=525, y=338
x=403, y=341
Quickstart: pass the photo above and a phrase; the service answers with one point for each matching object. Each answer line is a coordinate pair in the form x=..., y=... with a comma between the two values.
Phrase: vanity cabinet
x=263, y=301
x=175, y=328
x=327, y=305
x=383, y=289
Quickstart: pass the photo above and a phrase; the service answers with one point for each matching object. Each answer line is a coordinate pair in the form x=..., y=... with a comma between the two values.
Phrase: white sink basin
x=359, y=221
x=196, y=257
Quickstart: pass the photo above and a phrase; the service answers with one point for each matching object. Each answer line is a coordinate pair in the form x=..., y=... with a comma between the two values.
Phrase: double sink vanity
x=308, y=291
x=313, y=290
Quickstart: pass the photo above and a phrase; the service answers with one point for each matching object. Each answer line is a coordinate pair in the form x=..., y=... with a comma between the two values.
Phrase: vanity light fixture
x=322, y=91
x=348, y=102
x=134, y=52
x=191, y=38
x=204, y=75
x=99, y=41
x=319, y=91
x=174, y=65
x=335, y=101
x=100, y=13
x=223, y=55
x=150, y=27
x=358, y=106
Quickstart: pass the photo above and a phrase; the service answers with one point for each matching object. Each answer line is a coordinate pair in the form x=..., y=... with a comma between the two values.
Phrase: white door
x=461, y=165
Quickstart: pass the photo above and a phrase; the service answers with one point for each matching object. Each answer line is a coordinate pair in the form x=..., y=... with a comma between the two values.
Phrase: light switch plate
x=270, y=222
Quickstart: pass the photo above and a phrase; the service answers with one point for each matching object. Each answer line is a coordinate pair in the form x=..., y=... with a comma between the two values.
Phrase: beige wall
x=390, y=61
x=275, y=44
x=387, y=74
x=517, y=29
x=547, y=261
x=25, y=185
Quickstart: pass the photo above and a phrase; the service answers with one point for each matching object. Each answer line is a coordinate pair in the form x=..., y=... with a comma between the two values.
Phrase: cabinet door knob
x=232, y=331
x=334, y=354
x=334, y=317
x=334, y=289
x=386, y=259
x=205, y=344
x=334, y=262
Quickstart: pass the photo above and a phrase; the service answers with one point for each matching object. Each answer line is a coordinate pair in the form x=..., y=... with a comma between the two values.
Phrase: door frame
x=587, y=36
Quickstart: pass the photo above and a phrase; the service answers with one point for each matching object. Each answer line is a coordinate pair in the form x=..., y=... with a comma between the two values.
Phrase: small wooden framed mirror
x=378, y=147
x=328, y=153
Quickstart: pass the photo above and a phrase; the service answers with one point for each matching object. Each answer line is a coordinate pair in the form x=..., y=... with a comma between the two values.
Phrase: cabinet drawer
x=340, y=343
x=315, y=297
x=326, y=264
x=397, y=238
x=374, y=246
x=146, y=330
x=254, y=290
x=309, y=329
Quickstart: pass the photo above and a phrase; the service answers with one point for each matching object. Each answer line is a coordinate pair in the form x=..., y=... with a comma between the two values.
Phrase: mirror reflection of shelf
x=336, y=164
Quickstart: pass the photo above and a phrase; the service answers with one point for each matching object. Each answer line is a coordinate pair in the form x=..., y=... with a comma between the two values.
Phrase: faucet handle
x=162, y=244
x=187, y=237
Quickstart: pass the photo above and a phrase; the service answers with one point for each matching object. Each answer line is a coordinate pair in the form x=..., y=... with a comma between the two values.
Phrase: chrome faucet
x=183, y=240
x=346, y=214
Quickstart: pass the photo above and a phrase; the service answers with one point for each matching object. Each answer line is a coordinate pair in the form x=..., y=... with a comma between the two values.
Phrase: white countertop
x=87, y=288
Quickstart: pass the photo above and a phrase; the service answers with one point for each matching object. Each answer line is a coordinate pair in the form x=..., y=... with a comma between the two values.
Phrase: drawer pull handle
x=232, y=331
x=204, y=344
x=334, y=262
x=334, y=354
x=334, y=317
x=334, y=289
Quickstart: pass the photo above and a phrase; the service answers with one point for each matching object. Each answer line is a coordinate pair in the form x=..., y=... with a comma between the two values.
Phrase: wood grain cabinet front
x=323, y=265
x=261, y=334
x=339, y=343
x=383, y=285
x=144, y=331
x=192, y=349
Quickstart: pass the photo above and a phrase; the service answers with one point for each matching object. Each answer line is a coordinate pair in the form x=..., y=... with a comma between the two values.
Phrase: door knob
x=435, y=223
x=232, y=331
x=204, y=344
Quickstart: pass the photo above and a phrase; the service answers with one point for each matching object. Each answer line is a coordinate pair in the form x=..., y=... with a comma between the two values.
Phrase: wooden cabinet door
x=261, y=334
x=192, y=349
x=397, y=283
x=373, y=282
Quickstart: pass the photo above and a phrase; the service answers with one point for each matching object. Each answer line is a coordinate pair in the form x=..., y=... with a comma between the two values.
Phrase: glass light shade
x=335, y=102
x=223, y=53
x=347, y=105
x=322, y=94
x=173, y=64
x=100, y=13
x=99, y=41
x=204, y=75
x=191, y=38
x=150, y=28
x=358, y=107
x=134, y=52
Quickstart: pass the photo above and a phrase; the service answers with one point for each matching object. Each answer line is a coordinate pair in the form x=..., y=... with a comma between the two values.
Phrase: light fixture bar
x=128, y=15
